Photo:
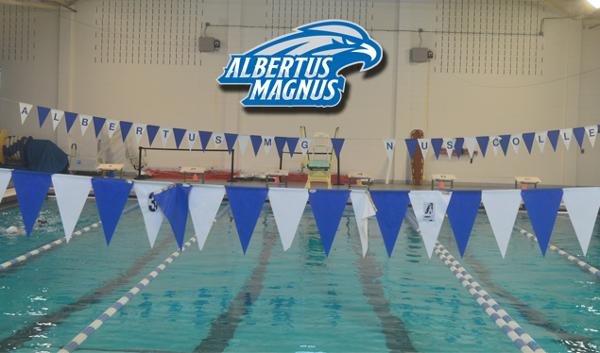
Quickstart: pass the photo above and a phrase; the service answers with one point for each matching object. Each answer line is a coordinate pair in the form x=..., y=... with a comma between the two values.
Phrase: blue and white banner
x=363, y=210
x=583, y=205
x=430, y=210
x=151, y=213
x=24, y=111
x=5, y=175
x=502, y=207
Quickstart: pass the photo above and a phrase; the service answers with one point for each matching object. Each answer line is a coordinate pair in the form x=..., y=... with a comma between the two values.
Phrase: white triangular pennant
x=243, y=141
x=501, y=207
x=111, y=127
x=204, y=203
x=56, y=116
x=495, y=143
x=304, y=145
x=165, y=133
x=84, y=122
x=153, y=217
x=583, y=205
x=24, y=110
x=471, y=145
x=449, y=146
x=541, y=138
x=71, y=193
x=192, y=137
x=516, y=141
x=267, y=144
x=566, y=136
x=5, y=175
x=218, y=139
x=389, y=145
x=363, y=209
x=288, y=206
x=138, y=131
x=592, y=132
x=430, y=210
x=424, y=145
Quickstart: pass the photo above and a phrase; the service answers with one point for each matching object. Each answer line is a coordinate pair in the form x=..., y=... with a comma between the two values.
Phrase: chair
x=319, y=160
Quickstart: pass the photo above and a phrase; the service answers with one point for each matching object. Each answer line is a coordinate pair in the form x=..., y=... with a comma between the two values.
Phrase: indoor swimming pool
x=218, y=300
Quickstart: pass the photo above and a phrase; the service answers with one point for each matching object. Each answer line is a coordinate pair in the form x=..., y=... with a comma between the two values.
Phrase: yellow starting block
x=523, y=182
x=110, y=168
x=194, y=172
x=440, y=181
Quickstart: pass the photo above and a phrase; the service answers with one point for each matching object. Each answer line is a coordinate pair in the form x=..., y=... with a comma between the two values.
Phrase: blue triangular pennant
x=504, y=142
x=528, y=138
x=98, y=125
x=483, y=142
x=411, y=146
x=179, y=134
x=327, y=208
x=31, y=189
x=280, y=144
x=579, y=133
x=246, y=204
x=152, y=130
x=337, y=144
x=462, y=211
x=70, y=119
x=436, y=144
x=458, y=146
x=292, y=142
x=553, y=137
x=204, y=138
x=173, y=203
x=111, y=197
x=125, y=128
x=42, y=114
x=256, y=142
x=230, y=140
x=391, y=207
x=542, y=207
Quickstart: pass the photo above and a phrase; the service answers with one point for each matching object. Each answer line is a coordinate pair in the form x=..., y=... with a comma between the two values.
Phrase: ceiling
x=566, y=8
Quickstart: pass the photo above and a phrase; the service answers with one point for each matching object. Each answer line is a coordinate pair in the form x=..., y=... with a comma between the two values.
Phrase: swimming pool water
x=218, y=300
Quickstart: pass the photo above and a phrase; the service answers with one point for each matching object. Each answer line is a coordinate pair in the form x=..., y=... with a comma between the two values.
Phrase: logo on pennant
x=302, y=68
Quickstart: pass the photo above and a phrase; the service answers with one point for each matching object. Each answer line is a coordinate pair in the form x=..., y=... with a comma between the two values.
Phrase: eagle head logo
x=302, y=68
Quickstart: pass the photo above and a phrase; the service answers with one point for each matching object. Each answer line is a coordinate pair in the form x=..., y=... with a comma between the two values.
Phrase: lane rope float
x=51, y=245
x=95, y=325
x=569, y=257
x=521, y=339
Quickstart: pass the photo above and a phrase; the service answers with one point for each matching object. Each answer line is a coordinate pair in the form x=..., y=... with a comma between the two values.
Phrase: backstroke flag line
x=430, y=210
x=501, y=207
x=204, y=203
x=71, y=193
x=363, y=210
x=151, y=213
x=288, y=206
x=391, y=208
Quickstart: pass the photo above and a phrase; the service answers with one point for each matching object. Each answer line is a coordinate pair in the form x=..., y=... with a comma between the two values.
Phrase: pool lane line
x=397, y=339
x=584, y=266
x=505, y=322
x=223, y=328
x=531, y=315
x=95, y=325
x=44, y=322
x=521, y=339
x=19, y=260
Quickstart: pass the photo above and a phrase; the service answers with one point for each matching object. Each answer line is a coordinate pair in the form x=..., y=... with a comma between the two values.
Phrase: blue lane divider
x=521, y=339
x=569, y=257
x=51, y=245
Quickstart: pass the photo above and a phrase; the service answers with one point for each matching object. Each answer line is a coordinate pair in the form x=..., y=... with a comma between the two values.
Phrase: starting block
x=440, y=181
x=109, y=169
x=523, y=182
x=278, y=176
x=360, y=179
x=194, y=172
